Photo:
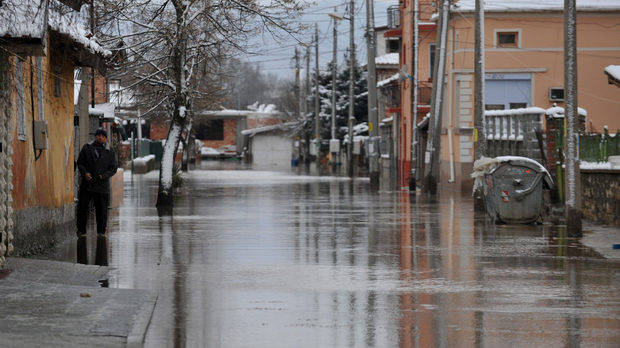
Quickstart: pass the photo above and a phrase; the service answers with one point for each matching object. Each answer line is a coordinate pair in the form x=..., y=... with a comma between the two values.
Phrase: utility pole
x=480, y=148
x=480, y=137
x=307, y=85
x=573, y=187
x=431, y=170
x=372, y=97
x=414, y=108
x=351, y=158
x=92, y=70
x=334, y=77
x=317, y=121
x=297, y=103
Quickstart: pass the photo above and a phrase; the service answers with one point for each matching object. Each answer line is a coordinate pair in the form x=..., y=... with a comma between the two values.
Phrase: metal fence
x=598, y=147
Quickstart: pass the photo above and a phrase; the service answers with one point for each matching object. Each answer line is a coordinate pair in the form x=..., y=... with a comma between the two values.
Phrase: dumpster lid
x=486, y=165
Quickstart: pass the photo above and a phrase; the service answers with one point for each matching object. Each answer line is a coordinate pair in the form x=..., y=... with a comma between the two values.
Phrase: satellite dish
x=403, y=75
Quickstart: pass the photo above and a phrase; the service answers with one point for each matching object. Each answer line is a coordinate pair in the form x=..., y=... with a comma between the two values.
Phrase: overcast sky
x=278, y=57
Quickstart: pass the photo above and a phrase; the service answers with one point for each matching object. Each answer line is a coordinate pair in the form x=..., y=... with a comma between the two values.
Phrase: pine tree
x=360, y=110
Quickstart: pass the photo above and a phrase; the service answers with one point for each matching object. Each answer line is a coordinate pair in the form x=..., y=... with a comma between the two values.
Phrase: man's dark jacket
x=103, y=164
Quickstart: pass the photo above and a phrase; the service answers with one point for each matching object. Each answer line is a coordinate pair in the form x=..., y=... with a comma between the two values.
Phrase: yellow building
x=39, y=50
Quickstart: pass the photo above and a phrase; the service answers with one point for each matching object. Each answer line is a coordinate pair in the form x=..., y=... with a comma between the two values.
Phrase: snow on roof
x=72, y=24
x=280, y=126
x=535, y=5
x=558, y=112
x=387, y=81
x=242, y=113
x=613, y=71
x=26, y=19
x=521, y=111
x=390, y=58
x=22, y=19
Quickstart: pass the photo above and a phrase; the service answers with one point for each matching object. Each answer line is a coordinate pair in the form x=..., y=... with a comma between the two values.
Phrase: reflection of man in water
x=97, y=163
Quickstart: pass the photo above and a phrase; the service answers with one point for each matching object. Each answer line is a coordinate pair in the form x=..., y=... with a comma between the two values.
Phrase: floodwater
x=265, y=259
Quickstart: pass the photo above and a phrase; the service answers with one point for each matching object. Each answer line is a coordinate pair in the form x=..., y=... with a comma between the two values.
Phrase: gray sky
x=278, y=57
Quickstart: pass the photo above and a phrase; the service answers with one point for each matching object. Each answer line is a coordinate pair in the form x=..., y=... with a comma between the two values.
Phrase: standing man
x=97, y=163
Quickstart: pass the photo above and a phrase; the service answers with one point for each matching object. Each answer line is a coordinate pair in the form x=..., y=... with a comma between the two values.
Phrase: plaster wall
x=43, y=193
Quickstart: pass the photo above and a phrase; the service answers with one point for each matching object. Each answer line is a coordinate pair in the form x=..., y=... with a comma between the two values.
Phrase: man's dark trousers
x=100, y=200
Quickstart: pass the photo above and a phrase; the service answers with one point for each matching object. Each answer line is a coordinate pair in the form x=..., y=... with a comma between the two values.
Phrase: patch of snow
x=73, y=25
x=387, y=81
x=558, y=112
x=144, y=160
x=27, y=19
x=22, y=19
x=390, y=58
x=521, y=111
x=595, y=165
x=613, y=71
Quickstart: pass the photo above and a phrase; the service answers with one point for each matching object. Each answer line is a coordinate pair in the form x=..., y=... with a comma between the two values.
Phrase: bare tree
x=174, y=50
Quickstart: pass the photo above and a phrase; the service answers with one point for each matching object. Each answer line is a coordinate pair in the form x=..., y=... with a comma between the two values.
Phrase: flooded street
x=264, y=259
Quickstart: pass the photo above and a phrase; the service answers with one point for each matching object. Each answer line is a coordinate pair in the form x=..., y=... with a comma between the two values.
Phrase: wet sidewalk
x=63, y=304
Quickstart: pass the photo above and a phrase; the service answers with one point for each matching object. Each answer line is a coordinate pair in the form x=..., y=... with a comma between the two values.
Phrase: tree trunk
x=179, y=112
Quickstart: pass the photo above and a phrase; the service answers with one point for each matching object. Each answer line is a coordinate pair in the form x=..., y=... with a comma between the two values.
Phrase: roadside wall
x=601, y=196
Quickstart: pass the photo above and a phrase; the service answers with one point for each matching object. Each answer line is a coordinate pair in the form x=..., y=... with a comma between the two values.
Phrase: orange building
x=524, y=66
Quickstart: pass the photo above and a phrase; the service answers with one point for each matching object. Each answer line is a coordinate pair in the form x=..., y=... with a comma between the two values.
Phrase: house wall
x=230, y=136
x=427, y=36
x=272, y=151
x=43, y=194
x=540, y=59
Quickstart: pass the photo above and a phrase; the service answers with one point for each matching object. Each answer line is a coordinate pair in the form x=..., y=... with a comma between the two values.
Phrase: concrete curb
x=601, y=239
x=141, y=323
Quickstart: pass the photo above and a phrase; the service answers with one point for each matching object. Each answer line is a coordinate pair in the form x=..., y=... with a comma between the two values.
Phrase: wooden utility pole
x=317, y=120
x=373, y=122
x=573, y=178
x=431, y=170
x=351, y=158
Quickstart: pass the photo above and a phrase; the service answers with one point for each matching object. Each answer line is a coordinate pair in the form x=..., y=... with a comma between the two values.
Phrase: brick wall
x=230, y=136
x=159, y=130
x=601, y=196
x=101, y=88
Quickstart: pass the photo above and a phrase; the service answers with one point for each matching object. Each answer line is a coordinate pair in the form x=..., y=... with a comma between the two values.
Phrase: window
x=431, y=60
x=210, y=130
x=507, y=39
x=494, y=107
x=518, y=105
x=393, y=46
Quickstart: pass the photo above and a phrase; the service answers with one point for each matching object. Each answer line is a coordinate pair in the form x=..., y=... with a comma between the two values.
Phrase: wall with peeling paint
x=43, y=194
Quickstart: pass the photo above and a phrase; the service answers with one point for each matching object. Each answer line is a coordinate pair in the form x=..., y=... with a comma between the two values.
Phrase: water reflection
x=261, y=259
x=101, y=250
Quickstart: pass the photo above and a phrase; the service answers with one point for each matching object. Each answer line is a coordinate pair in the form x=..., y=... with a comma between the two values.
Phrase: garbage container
x=513, y=189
